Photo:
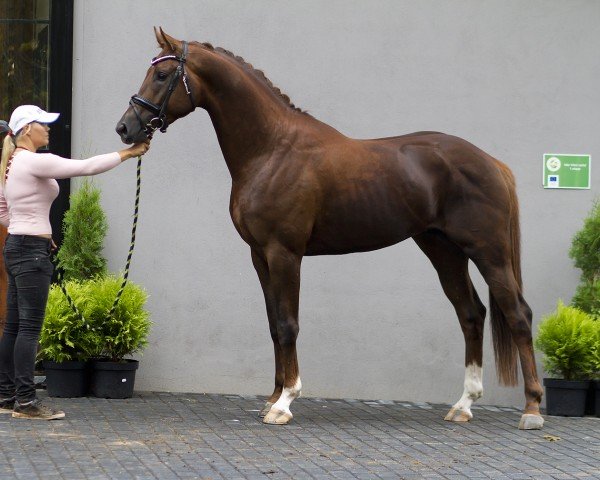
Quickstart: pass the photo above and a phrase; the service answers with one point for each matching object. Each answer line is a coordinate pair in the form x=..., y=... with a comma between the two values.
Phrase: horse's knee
x=472, y=324
x=287, y=332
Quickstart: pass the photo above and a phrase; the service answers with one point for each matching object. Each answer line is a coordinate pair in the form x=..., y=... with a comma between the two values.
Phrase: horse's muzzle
x=130, y=134
x=122, y=131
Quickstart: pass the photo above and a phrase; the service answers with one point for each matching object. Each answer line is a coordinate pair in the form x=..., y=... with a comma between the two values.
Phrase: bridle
x=159, y=121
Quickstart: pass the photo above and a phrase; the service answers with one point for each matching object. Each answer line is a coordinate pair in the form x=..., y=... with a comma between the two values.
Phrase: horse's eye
x=161, y=75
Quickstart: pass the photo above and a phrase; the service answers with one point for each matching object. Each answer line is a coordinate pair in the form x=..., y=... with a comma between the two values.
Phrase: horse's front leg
x=283, y=290
x=262, y=269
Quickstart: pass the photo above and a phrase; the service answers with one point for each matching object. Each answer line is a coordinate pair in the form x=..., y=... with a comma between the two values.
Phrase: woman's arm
x=47, y=165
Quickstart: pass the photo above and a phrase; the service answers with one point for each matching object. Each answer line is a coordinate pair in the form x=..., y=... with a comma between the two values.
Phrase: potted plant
x=567, y=338
x=595, y=400
x=118, y=336
x=66, y=338
x=91, y=334
x=585, y=251
x=66, y=343
x=587, y=299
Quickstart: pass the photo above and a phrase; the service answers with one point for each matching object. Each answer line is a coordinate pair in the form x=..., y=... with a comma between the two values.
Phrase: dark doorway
x=36, y=56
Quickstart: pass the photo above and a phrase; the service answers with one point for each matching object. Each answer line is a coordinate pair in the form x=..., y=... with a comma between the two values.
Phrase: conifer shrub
x=570, y=341
x=65, y=335
x=585, y=247
x=585, y=251
x=84, y=228
x=124, y=333
x=587, y=298
x=68, y=336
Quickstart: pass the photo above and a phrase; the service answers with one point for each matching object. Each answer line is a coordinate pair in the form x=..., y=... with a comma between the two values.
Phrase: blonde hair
x=8, y=147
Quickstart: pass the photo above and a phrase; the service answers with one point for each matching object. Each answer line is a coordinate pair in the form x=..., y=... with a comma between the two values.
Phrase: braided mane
x=258, y=73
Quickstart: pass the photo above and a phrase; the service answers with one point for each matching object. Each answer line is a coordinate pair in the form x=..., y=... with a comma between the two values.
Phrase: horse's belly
x=326, y=248
x=366, y=215
x=356, y=235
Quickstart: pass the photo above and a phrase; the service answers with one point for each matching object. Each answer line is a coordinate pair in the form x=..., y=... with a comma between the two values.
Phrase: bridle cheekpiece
x=159, y=121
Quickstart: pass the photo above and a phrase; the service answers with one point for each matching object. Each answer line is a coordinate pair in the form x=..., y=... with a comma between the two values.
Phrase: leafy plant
x=66, y=337
x=587, y=298
x=127, y=330
x=596, y=353
x=568, y=338
x=84, y=227
x=585, y=247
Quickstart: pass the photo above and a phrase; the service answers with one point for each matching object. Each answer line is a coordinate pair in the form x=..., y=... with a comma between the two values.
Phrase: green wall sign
x=567, y=171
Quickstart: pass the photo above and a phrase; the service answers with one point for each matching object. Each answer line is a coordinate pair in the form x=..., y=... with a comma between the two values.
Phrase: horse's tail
x=505, y=350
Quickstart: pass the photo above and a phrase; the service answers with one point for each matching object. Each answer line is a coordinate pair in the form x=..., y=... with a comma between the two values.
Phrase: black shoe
x=7, y=405
x=34, y=410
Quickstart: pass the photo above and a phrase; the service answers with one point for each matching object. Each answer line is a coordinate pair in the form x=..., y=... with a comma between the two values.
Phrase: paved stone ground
x=193, y=436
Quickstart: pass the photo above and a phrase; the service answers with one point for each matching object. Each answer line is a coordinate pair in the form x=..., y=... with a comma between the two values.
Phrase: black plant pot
x=595, y=388
x=113, y=379
x=566, y=398
x=590, y=402
x=67, y=379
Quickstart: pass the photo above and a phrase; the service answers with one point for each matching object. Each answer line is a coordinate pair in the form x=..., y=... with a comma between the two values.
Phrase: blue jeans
x=29, y=268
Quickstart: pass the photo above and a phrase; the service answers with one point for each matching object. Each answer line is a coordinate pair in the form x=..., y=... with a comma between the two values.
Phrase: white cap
x=25, y=114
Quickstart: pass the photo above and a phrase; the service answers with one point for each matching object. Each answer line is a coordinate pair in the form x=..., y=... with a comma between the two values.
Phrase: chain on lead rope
x=129, y=255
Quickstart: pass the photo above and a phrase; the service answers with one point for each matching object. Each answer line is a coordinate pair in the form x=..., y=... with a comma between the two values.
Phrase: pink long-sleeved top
x=31, y=187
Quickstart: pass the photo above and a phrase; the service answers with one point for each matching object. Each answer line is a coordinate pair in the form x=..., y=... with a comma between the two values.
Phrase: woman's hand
x=135, y=150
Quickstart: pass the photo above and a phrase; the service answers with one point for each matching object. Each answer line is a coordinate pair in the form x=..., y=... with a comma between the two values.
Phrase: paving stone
x=160, y=435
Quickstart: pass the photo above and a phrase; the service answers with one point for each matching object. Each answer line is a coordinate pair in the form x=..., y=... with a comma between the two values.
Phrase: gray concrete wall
x=518, y=79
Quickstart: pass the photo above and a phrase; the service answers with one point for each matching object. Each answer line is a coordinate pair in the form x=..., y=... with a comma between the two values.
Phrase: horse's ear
x=164, y=40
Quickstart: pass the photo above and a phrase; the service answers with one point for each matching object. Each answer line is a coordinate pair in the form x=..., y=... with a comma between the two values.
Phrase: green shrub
x=585, y=248
x=587, y=298
x=568, y=338
x=127, y=330
x=596, y=353
x=66, y=337
x=84, y=227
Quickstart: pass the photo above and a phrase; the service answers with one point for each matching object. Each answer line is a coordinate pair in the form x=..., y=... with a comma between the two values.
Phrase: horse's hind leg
x=506, y=293
x=451, y=265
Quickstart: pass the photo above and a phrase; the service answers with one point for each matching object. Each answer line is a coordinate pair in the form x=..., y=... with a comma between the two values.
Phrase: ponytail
x=8, y=148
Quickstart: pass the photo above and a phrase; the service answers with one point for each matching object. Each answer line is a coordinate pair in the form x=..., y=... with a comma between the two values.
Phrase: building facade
x=517, y=79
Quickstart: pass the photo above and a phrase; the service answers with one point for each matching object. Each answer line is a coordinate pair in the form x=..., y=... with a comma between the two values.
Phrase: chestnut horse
x=300, y=187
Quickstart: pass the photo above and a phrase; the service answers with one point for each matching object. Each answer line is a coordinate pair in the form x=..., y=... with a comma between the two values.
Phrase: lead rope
x=127, y=264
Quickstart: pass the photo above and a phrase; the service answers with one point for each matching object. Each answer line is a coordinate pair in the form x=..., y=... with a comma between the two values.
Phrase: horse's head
x=165, y=95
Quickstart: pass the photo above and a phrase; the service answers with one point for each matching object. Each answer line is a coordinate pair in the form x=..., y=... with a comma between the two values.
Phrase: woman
x=27, y=190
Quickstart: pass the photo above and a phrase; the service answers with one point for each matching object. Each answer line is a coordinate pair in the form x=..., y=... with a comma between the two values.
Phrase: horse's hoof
x=265, y=409
x=530, y=421
x=277, y=417
x=458, y=415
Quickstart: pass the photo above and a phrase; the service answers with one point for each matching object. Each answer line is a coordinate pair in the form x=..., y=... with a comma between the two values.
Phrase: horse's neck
x=248, y=118
x=245, y=131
